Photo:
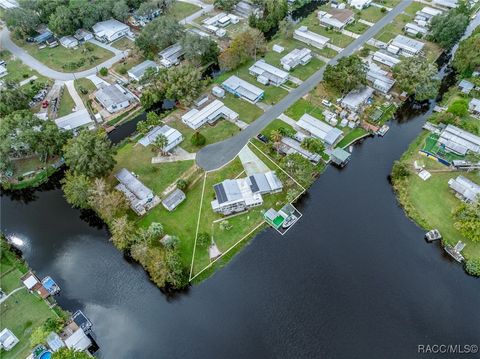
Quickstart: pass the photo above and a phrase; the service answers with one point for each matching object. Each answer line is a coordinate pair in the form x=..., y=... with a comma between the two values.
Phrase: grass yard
x=275, y=125
x=303, y=106
x=421, y=199
x=181, y=10
x=248, y=112
x=67, y=60
x=388, y=3
x=352, y=136
x=85, y=88
x=66, y=103
x=370, y=14
x=394, y=28
x=22, y=312
x=327, y=52
x=414, y=7
x=123, y=44
x=336, y=38
x=432, y=51
x=131, y=60
x=357, y=27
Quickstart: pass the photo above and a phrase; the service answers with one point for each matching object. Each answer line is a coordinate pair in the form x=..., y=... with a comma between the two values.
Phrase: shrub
x=399, y=170
x=103, y=71
x=473, y=266
x=203, y=239
x=182, y=184
x=122, y=70
x=383, y=10
x=198, y=139
x=458, y=108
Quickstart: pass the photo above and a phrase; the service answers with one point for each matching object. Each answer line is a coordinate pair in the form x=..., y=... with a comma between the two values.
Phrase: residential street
x=216, y=155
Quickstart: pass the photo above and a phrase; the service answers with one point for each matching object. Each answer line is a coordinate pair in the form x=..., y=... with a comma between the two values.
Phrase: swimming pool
x=46, y=355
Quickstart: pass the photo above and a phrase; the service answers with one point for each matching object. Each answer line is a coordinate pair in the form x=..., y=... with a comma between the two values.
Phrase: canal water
x=354, y=278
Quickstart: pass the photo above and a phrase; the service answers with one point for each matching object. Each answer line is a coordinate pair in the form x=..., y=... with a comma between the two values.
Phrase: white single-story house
x=240, y=194
x=324, y=132
x=290, y=145
x=78, y=340
x=74, y=120
x=414, y=29
x=174, y=137
x=221, y=20
x=356, y=98
x=310, y=38
x=446, y=3
x=209, y=114
x=136, y=73
x=465, y=189
x=459, y=141
x=68, y=42
x=243, y=89
x=386, y=58
x=405, y=46
x=141, y=197
x=7, y=339
x=359, y=4
x=171, y=55
x=296, y=57
x=114, y=98
x=8, y=4
x=336, y=18
x=267, y=74
x=3, y=71
x=381, y=80
x=466, y=86
x=425, y=16
x=83, y=35
x=474, y=106
x=110, y=30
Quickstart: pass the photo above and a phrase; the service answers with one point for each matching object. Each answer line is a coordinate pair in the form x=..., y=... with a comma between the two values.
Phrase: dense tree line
x=447, y=28
x=417, y=77
x=271, y=13
x=467, y=57
x=348, y=74
x=245, y=46
x=226, y=5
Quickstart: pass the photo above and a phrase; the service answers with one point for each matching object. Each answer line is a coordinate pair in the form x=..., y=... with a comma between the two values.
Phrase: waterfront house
x=310, y=38
x=243, y=89
x=241, y=194
x=171, y=55
x=465, y=189
x=209, y=114
x=446, y=3
x=296, y=57
x=290, y=145
x=359, y=4
x=8, y=4
x=324, y=132
x=381, y=80
x=114, y=98
x=466, y=86
x=474, y=106
x=425, y=16
x=355, y=99
x=136, y=73
x=33, y=284
x=54, y=341
x=340, y=157
x=110, y=30
x=267, y=74
x=74, y=120
x=75, y=338
x=7, y=339
x=415, y=29
x=459, y=141
x=174, y=199
x=336, y=18
x=68, y=42
x=173, y=136
x=406, y=46
x=141, y=197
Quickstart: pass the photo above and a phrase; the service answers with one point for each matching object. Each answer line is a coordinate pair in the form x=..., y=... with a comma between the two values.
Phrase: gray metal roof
x=227, y=191
x=133, y=184
x=139, y=70
x=174, y=199
x=112, y=95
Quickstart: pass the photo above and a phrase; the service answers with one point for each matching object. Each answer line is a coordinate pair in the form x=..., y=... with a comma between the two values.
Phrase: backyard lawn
x=85, y=88
x=351, y=136
x=67, y=60
x=336, y=37
x=370, y=14
x=66, y=103
x=248, y=112
x=394, y=28
x=181, y=10
x=123, y=44
x=303, y=106
x=357, y=27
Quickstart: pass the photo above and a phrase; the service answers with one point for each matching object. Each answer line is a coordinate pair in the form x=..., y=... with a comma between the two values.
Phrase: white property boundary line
x=198, y=223
x=249, y=233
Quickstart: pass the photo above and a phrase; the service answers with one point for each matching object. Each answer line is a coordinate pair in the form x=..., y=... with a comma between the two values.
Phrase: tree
x=103, y=71
x=53, y=325
x=12, y=98
x=204, y=239
x=76, y=189
x=38, y=336
x=399, y=170
x=199, y=50
x=298, y=166
x=182, y=184
x=22, y=22
x=447, y=28
x=107, y=203
x=226, y=5
x=90, y=154
x=63, y=21
x=273, y=11
x=472, y=266
x=286, y=28
x=467, y=220
x=160, y=143
x=198, y=139
x=68, y=353
x=159, y=34
x=350, y=73
x=177, y=275
x=276, y=137
x=459, y=108
x=120, y=10
x=467, y=57
x=123, y=232
x=416, y=76
x=313, y=145
x=245, y=46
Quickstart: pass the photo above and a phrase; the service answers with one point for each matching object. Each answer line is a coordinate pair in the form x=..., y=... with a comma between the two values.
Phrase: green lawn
x=388, y=3
x=414, y=7
x=336, y=38
x=303, y=106
x=371, y=14
x=394, y=28
x=85, y=88
x=275, y=125
x=421, y=198
x=327, y=52
x=248, y=112
x=181, y=10
x=66, y=103
x=68, y=60
x=123, y=44
x=357, y=27
x=351, y=136
x=22, y=312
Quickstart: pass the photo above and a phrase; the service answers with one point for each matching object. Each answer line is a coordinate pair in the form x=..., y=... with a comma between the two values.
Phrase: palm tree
x=160, y=143
x=276, y=137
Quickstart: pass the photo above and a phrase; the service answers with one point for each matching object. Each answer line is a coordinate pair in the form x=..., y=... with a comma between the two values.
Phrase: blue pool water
x=46, y=355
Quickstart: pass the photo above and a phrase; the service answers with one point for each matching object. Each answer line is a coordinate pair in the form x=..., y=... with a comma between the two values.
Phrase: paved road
x=27, y=59
x=218, y=154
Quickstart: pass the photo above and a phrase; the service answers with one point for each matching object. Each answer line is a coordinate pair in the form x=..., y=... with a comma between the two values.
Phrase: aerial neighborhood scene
x=168, y=164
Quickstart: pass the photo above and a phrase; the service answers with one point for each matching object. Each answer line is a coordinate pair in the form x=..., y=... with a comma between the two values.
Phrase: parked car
x=262, y=138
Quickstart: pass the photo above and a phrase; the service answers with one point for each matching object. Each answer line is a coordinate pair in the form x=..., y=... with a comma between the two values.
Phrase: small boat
x=383, y=130
x=289, y=221
x=433, y=235
x=50, y=285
